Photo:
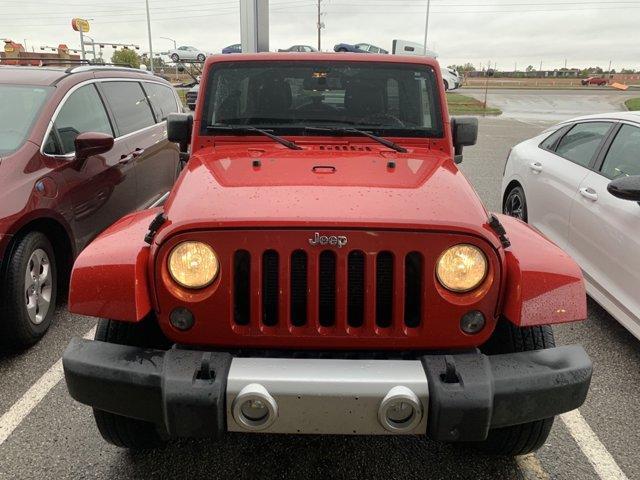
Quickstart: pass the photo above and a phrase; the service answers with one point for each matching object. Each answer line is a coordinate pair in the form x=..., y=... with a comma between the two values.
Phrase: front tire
x=515, y=204
x=123, y=431
x=446, y=86
x=528, y=437
x=175, y=57
x=30, y=287
x=200, y=57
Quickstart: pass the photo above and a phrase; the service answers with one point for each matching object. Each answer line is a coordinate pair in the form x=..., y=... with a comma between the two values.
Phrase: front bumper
x=193, y=393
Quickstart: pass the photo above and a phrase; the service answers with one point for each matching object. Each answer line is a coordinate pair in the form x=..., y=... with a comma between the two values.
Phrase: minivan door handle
x=589, y=193
x=126, y=159
x=137, y=152
x=536, y=167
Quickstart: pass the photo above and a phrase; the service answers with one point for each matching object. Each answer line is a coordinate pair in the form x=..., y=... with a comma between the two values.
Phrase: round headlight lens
x=461, y=268
x=193, y=264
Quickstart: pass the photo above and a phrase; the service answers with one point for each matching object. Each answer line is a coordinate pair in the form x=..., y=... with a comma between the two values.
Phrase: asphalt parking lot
x=43, y=433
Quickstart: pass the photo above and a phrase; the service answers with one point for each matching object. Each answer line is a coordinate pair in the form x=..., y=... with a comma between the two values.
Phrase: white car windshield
x=19, y=107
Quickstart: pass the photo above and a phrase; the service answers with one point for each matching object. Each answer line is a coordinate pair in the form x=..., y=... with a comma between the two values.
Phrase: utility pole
x=320, y=25
x=426, y=27
x=150, y=43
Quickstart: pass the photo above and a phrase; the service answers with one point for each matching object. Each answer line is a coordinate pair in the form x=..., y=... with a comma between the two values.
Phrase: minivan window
x=82, y=112
x=130, y=106
x=162, y=100
x=19, y=108
x=623, y=158
x=582, y=142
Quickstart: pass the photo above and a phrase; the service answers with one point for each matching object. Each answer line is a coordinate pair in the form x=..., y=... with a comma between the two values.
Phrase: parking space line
x=597, y=454
x=531, y=467
x=13, y=417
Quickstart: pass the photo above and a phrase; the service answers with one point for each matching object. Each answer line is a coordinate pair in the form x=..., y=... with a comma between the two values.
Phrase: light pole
x=175, y=46
x=426, y=26
x=149, y=31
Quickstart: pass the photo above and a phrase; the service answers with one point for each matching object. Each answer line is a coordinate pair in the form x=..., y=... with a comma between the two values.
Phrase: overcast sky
x=585, y=33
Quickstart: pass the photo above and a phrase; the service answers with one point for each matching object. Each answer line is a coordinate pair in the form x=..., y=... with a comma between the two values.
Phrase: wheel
x=528, y=437
x=342, y=50
x=123, y=431
x=30, y=286
x=515, y=204
x=446, y=86
x=175, y=57
x=201, y=57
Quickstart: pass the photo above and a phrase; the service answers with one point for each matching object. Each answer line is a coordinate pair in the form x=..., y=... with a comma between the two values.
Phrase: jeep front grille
x=367, y=293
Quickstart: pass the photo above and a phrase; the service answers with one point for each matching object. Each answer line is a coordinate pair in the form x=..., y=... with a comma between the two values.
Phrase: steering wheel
x=382, y=119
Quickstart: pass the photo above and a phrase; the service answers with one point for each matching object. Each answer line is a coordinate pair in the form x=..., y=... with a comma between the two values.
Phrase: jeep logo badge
x=318, y=239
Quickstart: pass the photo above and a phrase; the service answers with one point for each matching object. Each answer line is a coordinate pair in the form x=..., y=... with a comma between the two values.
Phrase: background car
x=79, y=148
x=187, y=53
x=579, y=184
x=450, y=78
x=594, y=81
x=299, y=48
x=192, y=96
x=358, y=48
x=235, y=48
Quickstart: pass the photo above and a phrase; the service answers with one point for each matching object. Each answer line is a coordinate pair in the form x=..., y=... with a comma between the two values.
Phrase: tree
x=530, y=68
x=628, y=70
x=157, y=61
x=126, y=56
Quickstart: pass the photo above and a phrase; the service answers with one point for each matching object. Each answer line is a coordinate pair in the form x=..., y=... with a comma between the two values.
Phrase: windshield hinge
x=155, y=225
x=497, y=227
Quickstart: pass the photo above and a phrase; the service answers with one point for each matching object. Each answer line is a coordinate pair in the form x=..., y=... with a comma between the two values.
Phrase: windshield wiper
x=266, y=133
x=346, y=130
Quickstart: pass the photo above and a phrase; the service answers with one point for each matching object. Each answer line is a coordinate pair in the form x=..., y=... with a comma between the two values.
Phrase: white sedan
x=187, y=53
x=579, y=184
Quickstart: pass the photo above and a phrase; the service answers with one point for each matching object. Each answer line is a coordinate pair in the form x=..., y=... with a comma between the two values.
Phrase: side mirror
x=464, y=131
x=91, y=143
x=179, y=126
x=626, y=188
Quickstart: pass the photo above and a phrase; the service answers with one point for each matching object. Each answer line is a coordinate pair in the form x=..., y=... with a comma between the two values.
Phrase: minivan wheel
x=515, y=204
x=30, y=285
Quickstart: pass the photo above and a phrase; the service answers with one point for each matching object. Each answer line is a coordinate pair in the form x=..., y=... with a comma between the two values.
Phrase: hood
x=323, y=186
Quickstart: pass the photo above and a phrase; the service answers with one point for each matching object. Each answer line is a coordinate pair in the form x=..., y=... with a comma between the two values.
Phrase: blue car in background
x=358, y=48
x=235, y=48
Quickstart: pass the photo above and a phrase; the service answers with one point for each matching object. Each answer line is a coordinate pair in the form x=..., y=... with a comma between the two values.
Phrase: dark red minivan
x=79, y=148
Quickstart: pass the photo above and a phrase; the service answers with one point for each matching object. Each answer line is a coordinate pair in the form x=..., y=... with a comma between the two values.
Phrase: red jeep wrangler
x=323, y=267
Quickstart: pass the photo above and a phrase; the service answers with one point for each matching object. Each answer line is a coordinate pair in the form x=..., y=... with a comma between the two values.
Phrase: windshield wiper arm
x=382, y=140
x=266, y=133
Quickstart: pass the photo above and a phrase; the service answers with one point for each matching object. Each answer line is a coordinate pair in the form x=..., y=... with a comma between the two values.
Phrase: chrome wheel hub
x=38, y=283
x=515, y=208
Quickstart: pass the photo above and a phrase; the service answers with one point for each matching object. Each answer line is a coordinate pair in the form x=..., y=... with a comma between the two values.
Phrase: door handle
x=126, y=159
x=589, y=193
x=137, y=152
x=536, y=167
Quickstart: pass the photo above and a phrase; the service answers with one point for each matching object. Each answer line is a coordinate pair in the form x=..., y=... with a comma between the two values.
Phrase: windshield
x=383, y=98
x=19, y=107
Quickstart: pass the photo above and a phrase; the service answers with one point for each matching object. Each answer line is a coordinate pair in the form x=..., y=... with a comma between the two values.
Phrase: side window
x=549, y=143
x=162, y=100
x=581, y=143
x=82, y=112
x=129, y=105
x=623, y=157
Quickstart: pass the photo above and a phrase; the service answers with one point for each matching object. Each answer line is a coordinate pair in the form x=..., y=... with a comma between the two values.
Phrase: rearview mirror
x=464, y=131
x=88, y=144
x=626, y=188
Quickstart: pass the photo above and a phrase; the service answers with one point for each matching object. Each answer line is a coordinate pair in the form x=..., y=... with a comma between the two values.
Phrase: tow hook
x=155, y=225
x=497, y=227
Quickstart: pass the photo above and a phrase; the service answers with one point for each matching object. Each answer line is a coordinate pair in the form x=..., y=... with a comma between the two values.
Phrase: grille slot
x=355, y=288
x=327, y=289
x=270, y=288
x=413, y=289
x=299, y=288
x=384, y=289
x=241, y=287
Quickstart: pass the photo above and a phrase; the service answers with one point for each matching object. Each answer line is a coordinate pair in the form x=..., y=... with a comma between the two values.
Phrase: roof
x=628, y=116
x=27, y=75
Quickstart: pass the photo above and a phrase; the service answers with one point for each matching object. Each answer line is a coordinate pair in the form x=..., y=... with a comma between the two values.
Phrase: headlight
x=193, y=264
x=461, y=268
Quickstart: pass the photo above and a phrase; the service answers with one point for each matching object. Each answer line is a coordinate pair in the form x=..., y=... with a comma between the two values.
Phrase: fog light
x=254, y=408
x=182, y=318
x=472, y=322
x=400, y=410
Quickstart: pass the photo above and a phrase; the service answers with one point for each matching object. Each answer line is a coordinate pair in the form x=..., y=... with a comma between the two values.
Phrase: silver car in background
x=579, y=184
